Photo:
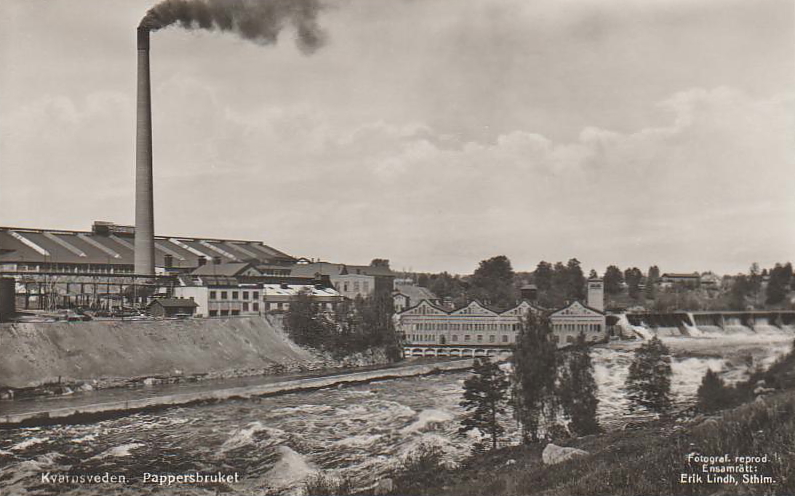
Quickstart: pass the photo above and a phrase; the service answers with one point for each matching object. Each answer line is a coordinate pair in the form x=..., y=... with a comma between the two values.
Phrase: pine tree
x=485, y=398
x=578, y=389
x=648, y=384
x=535, y=371
x=713, y=393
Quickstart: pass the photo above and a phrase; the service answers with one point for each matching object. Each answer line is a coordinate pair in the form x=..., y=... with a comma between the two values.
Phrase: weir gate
x=689, y=323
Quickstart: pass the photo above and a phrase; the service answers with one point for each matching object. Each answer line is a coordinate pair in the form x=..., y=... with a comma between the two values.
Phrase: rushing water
x=359, y=431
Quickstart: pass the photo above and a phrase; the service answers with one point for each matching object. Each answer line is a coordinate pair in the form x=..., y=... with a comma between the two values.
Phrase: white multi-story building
x=575, y=318
x=476, y=330
x=253, y=299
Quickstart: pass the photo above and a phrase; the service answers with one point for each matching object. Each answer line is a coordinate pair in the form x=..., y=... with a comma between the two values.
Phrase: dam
x=696, y=323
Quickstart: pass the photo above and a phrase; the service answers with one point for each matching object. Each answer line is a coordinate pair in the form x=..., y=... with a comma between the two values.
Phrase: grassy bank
x=648, y=459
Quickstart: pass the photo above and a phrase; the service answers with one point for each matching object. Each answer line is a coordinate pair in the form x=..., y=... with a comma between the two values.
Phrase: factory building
x=108, y=249
x=568, y=322
x=95, y=269
x=351, y=281
x=428, y=329
x=224, y=296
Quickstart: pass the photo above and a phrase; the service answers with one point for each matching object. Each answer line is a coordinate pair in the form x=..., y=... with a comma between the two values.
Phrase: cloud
x=705, y=186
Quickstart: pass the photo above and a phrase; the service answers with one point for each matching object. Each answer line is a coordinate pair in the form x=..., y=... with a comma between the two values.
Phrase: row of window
x=235, y=295
x=444, y=326
x=454, y=338
x=365, y=287
x=73, y=268
x=578, y=328
x=216, y=313
x=267, y=306
x=441, y=339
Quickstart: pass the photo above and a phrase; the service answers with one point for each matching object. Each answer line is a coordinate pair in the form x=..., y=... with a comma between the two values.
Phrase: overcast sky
x=434, y=133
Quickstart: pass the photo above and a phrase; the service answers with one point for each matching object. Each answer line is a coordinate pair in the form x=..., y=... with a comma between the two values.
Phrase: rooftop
x=338, y=269
x=110, y=244
x=415, y=293
x=174, y=302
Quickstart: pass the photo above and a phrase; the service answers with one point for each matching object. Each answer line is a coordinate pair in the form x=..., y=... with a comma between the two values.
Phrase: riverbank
x=103, y=353
x=57, y=358
x=648, y=460
x=654, y=457
x=98, y=411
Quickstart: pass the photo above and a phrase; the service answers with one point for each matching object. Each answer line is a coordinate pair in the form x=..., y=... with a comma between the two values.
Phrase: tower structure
x=144, y=196
x=596, y=294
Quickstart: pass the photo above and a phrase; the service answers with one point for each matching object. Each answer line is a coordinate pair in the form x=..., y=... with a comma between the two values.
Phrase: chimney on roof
x=168, y=261
x=216, y=260
x=202, y=261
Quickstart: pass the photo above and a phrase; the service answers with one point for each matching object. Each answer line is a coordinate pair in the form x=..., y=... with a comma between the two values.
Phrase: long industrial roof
x=30, y=245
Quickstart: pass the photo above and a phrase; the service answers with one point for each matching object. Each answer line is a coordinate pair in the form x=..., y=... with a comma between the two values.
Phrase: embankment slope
x=32, y=354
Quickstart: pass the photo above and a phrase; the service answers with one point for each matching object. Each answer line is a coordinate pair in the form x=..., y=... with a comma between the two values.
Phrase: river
x=360, y=431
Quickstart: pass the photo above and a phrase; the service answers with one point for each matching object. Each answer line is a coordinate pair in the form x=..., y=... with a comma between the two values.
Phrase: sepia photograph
x=397, y=247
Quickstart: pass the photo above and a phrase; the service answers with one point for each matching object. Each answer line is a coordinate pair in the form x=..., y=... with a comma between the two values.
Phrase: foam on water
x=85, y=439
x=360, y=441
x=245, y=436
x=667, y=331
x=291, y=469
x=633, y=330
x=737, y=329
x=119, y=451
x=303, y=409
x=360, y=431
x=28, y=443
x=688, y=372
x=693, y=331
x=428, y=419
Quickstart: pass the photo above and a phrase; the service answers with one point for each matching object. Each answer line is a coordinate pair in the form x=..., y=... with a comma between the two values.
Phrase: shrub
x=322, y=485
x=421, y=469
x=713, y=393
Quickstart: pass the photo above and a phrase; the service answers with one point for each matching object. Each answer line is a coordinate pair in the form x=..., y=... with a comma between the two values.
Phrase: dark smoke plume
x=257, y=20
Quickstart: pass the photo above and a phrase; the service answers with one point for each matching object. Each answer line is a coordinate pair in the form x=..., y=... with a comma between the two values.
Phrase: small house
x=172, y=307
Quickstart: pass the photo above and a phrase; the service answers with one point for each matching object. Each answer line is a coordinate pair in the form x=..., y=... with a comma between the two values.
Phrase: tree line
x=496, y=284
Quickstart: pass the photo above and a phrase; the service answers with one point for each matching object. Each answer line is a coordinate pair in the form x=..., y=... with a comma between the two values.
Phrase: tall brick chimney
x=144, y=198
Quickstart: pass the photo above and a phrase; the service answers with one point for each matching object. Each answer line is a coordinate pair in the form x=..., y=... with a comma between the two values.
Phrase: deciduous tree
x=778, y=283
x=613, y=280
x=492, y=282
